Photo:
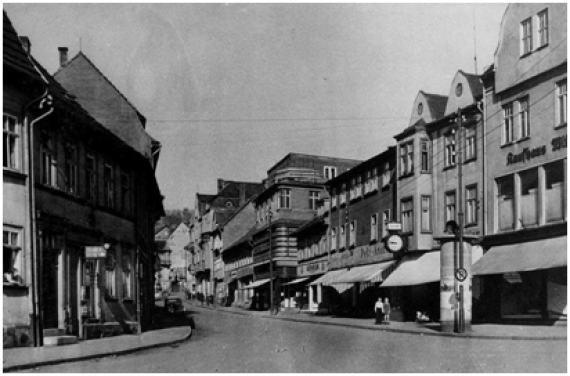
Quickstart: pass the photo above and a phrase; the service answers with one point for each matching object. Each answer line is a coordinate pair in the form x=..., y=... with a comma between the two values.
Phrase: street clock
x=394, y=243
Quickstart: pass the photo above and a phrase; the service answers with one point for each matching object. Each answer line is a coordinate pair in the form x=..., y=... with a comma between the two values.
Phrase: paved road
x=225, y=342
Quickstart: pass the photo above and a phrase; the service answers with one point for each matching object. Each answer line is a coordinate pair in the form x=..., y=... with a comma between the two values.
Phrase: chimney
x=62, y=56
x=26, y=44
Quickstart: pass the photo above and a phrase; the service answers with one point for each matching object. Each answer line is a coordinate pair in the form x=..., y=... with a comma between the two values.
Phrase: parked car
x=174, y=304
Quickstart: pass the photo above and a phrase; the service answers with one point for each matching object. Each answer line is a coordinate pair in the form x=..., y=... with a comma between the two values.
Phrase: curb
x=95, y=356
x=395, y=330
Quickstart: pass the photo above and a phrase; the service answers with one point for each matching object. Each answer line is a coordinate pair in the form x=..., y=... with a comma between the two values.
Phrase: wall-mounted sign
x=95, y=252
x=394, y=226
x=526, y=155
x=558, y=143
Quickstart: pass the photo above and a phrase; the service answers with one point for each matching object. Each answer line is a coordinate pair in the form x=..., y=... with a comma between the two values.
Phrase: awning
x=255, y=284
x=523, y=257
x=328, y=278
x=296, y=281
x=365, y=273
x=415, y=269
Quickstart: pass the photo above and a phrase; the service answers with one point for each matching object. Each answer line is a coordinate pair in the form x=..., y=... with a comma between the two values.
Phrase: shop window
x=522, y=295
x=11, y=144
x=471, y=205
x=505, y=203
x=561, y=104
x=127, y=275
x=529, y=197
x=407, y=210
x=49, y=161
x=426, y=213
x=450, y=207
x=12, y=238
x=555, y=192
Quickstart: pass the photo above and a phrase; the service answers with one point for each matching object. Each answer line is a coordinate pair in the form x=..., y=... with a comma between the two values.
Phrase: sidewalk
x=30, y=357
x=479, y=331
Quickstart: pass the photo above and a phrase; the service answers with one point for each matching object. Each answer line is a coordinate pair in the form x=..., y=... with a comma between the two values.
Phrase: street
x=226, y=342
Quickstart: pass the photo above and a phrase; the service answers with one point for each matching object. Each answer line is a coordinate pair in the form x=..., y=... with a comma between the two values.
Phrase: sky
x=230, y=89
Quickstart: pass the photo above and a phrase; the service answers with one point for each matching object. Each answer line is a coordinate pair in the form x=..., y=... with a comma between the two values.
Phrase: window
x=449, y=149
x=407, y=158
x=353, y=189
x=313, y=198
x=450, y=208
x=374, y=227
x=526, y=36
x=407, y=209
x=505, y=202
x=12, y=248
x=127, y=275
x=561, y=103
x=333, y=239
x=359, y=186
x=471, y=205
x=524, y=119
x=470, y=143
x=330, y=172
x=11, y=143
x=386, y=176
x=109, y=186
x=110, y=282
x=529, y=197
x=425, y=155
x=426, y=213
x=342, y=236
x=71, y=175
x=543, y=28
x=49, y=161
x=508, y=124
x=368, y=183
x=555, y=200
x=342, y=195
x=385, y=220
x=91, y=178
x=352, y=236
x=126, y=193
x=285, y=198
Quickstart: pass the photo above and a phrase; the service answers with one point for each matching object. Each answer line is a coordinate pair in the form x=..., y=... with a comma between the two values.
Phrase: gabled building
x=24, y=106
x=524, y=268
x=293, y=188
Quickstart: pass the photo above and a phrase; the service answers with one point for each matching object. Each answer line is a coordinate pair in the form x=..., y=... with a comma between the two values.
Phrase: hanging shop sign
x=95, y=252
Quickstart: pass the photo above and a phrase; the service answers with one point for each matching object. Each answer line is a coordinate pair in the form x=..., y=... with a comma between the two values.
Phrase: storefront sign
x=95, y=252
x=512, y=277
x=314, y=268
x=526, y=155
x=559, y=143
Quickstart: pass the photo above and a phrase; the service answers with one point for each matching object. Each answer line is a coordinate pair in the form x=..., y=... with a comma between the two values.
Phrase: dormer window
x=329, y=172
x=526, y=36
x=543, y=28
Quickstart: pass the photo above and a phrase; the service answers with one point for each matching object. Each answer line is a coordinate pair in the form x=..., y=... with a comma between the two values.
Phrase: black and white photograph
x=285, y=187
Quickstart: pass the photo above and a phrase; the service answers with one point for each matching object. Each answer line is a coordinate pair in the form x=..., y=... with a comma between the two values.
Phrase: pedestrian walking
x=386, y=310
x=378, y=310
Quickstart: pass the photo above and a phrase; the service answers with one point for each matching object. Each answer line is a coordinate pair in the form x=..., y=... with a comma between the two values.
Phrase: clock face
x=394, y=243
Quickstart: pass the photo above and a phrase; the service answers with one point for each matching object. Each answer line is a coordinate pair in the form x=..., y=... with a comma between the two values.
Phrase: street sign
x=95, y=252
x=394, y=226
x=461, y=274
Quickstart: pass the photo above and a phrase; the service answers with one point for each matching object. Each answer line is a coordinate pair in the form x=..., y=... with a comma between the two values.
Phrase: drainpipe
x=45, y=100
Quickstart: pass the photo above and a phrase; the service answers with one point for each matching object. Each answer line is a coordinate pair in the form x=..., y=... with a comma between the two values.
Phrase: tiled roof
x=14, y=54
x=243, y=239
x=475, y=83
x=437, y=104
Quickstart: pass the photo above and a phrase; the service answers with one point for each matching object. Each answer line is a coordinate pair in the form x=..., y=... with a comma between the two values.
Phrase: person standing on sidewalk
x=386, y=309
x=378, y=310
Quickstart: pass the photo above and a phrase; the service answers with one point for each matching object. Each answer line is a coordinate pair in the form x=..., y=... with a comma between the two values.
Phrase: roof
x=245, y=238
x=387, y=155
x=475, y=83
x=81, y=54
x=436, y=104
x=204, y=198
x=14, y=54
x=411, y=129
x=290, y=155
x=229, y=218
x=317, y=221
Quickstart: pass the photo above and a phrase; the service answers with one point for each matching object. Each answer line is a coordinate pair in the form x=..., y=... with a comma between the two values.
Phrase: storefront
x=525, y=281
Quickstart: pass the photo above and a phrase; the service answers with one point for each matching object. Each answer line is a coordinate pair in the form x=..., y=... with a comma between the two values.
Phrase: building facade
x=524, y=268
x=292, y=190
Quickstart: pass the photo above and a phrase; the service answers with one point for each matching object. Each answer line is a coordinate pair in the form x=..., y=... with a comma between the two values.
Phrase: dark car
x=174, y=304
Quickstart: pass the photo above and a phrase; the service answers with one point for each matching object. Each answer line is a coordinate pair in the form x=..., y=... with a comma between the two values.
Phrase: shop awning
x=328, y=278
x=255, y=284
x=415, y=270
x=523, y=257
x=296, y=281
x=365, y=273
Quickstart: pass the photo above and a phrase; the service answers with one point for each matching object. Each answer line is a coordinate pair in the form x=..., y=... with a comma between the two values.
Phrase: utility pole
x=271, y=292
x=460, y=266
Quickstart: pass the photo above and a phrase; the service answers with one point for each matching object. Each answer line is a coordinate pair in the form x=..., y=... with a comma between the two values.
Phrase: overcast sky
x=230, y=89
